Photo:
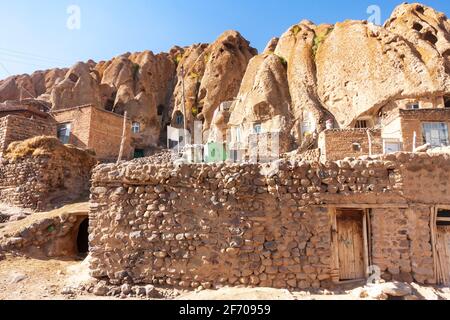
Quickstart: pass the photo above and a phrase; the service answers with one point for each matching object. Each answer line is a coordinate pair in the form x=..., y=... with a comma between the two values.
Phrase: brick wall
x=338, y=144
x=411, y=121
x=80, y=120
x=105, y=135
x=16, y=128
x=97, y=130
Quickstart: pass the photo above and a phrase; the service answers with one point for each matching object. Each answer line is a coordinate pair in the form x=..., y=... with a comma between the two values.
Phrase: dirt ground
x=30, y=279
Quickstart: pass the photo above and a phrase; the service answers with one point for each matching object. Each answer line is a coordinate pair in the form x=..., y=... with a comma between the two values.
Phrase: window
x=139, y=153
x=308, y=124
x=179, y=118
x=160, y=110
x=435, y=134
x=447, y=102
x=443, y=218
x=64, y=132
x=362, y=124
x=257, y=128
x=392, y=146
x=238, y=134
x=413, y=106
x=136, y=127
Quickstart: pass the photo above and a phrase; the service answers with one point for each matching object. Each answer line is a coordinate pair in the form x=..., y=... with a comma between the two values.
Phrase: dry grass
x=47, y=146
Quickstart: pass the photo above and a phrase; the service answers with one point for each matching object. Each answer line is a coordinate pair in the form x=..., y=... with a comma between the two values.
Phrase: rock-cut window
x=179, y=119
x=136, y=127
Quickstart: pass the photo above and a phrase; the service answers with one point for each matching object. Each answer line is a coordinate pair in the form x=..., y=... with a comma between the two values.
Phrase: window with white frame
x=136, y=127
x=435, y=134
x=413, y=106
x=238, y=135
x=63, y=132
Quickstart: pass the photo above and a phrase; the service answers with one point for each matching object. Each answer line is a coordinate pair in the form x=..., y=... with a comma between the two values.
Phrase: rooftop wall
x=337, y=144
x=17, y=128
x=412, y=120
x=201, y=225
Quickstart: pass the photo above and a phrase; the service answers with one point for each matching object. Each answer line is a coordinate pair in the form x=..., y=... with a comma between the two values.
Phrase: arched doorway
x=83, y=238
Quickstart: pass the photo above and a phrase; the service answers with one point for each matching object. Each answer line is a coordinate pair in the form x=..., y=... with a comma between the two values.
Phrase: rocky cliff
x=311, y=74
x=344, y=71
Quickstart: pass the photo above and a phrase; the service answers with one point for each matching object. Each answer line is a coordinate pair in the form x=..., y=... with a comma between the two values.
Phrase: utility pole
x=124, y=133
x=183, y=104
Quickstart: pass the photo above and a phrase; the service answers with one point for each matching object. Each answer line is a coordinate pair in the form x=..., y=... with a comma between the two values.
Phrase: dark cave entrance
x=83, y=238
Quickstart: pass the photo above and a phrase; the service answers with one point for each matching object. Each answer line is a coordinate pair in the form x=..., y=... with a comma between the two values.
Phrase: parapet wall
x=41, y=173
x=336, y=144
x=213, y=225
x=17, y=128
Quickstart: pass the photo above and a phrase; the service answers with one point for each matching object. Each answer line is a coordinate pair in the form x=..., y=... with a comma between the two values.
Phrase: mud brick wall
x=97, y=130
x=41, y=182
x=214, y=225
x=412, y=121
x=336, y=144
x=16, y=128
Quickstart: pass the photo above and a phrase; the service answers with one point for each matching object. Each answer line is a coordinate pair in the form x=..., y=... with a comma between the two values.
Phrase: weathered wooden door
x=443, y=250
x=351, y=244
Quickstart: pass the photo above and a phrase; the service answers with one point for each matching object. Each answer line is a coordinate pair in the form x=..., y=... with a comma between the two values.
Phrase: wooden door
x=351, y=245
x=443, y=251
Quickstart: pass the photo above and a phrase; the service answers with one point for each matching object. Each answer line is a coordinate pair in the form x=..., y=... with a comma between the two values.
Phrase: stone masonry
x=42, y=182
x=214, y=225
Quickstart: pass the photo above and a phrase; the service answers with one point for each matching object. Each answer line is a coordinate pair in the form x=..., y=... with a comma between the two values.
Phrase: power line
x=25, y=62
x=28, y=59
x=35, y=56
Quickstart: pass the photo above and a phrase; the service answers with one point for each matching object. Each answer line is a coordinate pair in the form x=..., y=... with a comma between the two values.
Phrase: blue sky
x=34, y=34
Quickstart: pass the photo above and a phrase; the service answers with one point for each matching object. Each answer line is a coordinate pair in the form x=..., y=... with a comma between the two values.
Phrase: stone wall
x=208, y=226
x=45, y=181
x=337, y=144
x=17, y=128
x=47, y=237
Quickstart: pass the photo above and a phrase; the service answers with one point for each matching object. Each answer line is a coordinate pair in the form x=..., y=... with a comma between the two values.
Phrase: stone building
x=89, y=127
x=308, y=225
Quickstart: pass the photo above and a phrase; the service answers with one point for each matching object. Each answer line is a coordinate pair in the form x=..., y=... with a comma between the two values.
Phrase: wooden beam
x=334, y=246
x=433, y=228
x=366, y=245
x=122, y=141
